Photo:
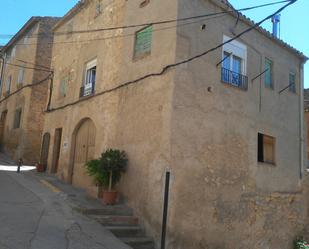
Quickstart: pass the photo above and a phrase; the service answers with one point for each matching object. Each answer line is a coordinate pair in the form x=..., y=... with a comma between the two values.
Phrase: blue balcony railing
x=235, y=79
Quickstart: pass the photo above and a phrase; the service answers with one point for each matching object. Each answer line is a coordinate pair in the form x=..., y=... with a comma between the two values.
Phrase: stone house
x=24, y=89
x=232, y=144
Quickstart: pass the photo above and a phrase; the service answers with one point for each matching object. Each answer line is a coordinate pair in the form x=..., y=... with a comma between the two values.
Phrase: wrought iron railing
x=235, y=79
x=86, y=90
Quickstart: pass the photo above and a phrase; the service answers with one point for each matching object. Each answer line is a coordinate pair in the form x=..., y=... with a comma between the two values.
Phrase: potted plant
x=107, y=171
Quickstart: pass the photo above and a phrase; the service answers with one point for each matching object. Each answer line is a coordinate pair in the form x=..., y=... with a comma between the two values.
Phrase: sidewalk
x=59, y=225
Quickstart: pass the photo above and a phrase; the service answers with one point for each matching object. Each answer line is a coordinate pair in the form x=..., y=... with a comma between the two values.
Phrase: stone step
x=117, y=210
x=115, y=220
x=139, y=242
x=125, y=231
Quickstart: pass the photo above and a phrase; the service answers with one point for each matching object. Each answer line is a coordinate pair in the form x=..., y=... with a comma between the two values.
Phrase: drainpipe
x=2, y=57
x=301, y=118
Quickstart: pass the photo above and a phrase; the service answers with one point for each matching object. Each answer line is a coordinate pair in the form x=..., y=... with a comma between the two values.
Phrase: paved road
x=32, y=216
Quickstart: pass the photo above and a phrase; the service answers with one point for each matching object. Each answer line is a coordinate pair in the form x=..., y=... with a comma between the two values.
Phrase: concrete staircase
x=120, y=220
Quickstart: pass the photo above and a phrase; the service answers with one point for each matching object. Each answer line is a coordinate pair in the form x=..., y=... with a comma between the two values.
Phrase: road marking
x=50, y=186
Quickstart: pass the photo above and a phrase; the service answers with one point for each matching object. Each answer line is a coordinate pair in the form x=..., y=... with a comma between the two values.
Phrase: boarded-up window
x=269, y=74
x=266, y=149
x=17, y=118
x=143, y=41
x=292, y=83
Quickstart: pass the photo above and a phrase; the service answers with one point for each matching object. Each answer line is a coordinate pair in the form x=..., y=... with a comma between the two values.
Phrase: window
x=266, y=149
x=26, y=40
x=292, y=83
x=269, y=74
x=17, y=119
x=90, y=79
x=233, y=68
x=143, y=40
x=21, y=74
x=8, y=85
x=64, y=86
x=69, y=29
x=98, y=8
x=13, y=53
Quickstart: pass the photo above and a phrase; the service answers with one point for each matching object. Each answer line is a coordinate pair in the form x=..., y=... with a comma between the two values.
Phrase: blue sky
x=294, y=20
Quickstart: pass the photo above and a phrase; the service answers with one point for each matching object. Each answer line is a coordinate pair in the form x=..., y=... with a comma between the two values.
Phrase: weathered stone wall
x=225, y=198
x=25, y=141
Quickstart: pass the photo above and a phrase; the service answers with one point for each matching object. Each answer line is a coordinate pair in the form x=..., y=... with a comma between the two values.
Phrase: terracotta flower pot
x=40, y=167
x=110, y=197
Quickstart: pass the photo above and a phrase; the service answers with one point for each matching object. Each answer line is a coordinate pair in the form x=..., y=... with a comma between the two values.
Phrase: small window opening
x=266, y=149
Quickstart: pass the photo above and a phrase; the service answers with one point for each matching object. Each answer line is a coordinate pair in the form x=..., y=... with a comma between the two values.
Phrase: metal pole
x=165, y=209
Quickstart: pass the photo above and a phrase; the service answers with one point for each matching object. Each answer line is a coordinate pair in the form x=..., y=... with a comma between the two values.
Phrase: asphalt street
x=32, y=216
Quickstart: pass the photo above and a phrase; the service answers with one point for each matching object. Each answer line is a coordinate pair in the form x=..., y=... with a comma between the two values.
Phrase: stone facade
x=185, y=121
x=29, y=48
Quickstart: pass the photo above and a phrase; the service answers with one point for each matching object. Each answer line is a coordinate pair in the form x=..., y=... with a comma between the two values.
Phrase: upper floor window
x=8, y=85
x=64, y=86
x=233, y=68
x=21, y=75
x=268, y=81
x=13, y=53
x=292, y=82
x=143, y=42
x=90, y=79
x=17, y=118
x=98, y=8
x=69, y=29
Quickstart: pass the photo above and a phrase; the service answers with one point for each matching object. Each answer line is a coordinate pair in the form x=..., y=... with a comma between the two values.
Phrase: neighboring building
x=27, y=61
x=233, y=146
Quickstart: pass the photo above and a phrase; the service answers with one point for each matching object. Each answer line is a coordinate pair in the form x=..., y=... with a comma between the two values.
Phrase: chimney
x=276, y=20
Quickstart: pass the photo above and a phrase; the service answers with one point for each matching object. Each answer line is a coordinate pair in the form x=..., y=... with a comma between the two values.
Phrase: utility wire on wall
x=164, y=69
x=155, y=23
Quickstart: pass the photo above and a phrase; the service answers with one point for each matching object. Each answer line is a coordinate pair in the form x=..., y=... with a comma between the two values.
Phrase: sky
x=294, y=19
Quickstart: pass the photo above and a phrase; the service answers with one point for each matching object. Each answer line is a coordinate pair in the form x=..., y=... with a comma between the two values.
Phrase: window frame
x=21, y=75
x=90, y=65
x=261, y=152
x=8, y=85
x=140, y=55
x=271, y=73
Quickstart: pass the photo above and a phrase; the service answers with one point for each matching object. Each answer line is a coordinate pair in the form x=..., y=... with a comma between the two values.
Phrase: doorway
x=45, y=149
x=84, y=149
x=56, y=150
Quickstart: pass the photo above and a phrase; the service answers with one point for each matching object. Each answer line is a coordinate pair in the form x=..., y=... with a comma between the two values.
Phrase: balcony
x=86, y=90
x=234, y=79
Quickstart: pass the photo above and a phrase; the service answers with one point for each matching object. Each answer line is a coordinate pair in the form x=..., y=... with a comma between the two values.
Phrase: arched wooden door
x=84, y=151
x=45, y=149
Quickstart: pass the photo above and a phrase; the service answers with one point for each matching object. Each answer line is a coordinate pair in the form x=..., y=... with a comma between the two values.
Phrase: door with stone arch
x=84, y=150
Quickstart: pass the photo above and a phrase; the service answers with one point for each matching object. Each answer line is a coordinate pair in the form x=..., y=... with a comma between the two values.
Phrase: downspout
x=2, y=72
x=301, y=118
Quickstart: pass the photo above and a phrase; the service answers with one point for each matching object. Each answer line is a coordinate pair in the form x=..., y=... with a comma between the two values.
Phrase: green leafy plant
x=300, y=244
x=107, y=169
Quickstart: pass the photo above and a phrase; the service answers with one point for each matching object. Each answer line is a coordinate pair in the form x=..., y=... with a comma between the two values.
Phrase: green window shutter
x=143, y=41
x=63, y=87
x=268, y=74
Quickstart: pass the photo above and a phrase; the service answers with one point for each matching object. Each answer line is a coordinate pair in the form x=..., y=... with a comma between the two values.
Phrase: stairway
x=120, y=220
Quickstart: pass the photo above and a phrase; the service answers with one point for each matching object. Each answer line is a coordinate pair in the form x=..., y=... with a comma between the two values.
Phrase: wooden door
x=84, y=151
x=45, y=149
x=56, y=150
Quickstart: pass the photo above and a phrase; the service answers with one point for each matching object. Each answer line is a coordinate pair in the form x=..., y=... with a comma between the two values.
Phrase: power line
x=122, y=36
x=25, y=67
x=164, y=21
x=26, y=86
x=164, y=69
x=31, y=63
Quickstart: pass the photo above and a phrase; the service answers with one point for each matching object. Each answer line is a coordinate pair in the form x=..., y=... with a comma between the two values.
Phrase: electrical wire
x=25, y=67
x=167, y=67
x=164, y=21
x=27, y=86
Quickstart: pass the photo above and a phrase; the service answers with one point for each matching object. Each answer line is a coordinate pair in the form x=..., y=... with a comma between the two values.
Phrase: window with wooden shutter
x=292, y=83
x=266, y=149
x=143, y=42
x=17, y=118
